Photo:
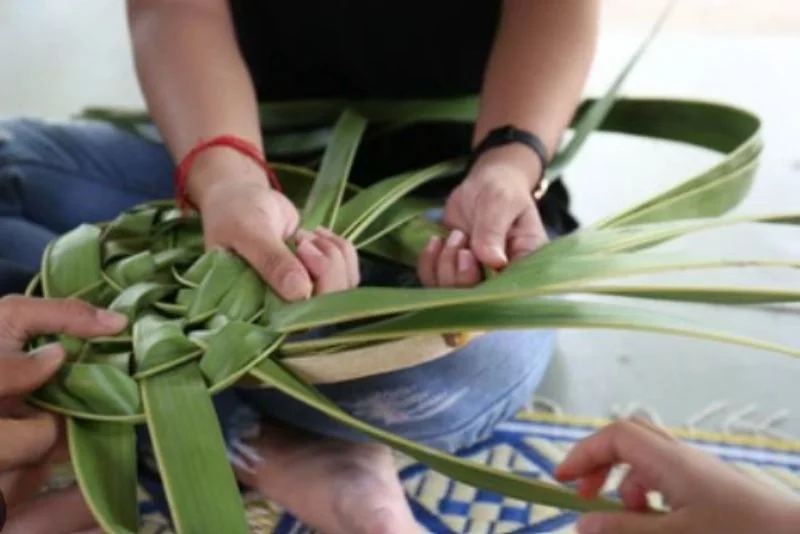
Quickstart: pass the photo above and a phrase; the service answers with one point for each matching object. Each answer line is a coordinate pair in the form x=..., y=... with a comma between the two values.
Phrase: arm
x=197, y=86
x=534, y=80
x=537, y=72
x=195, y=83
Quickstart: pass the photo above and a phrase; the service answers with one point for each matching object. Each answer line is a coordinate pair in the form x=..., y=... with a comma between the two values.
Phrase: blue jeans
x=56, y=176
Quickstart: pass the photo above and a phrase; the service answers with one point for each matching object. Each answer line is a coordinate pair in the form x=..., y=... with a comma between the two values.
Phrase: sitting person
x=204, y=65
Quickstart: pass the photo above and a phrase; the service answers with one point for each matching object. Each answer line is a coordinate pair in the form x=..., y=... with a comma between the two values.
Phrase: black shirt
x=308, y=49
x=365, y=48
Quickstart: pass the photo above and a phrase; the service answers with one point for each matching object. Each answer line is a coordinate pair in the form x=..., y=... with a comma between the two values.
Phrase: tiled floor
x=59, y=56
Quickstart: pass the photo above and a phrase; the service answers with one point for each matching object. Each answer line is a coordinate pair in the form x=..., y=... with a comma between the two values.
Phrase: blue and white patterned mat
x=532, y=445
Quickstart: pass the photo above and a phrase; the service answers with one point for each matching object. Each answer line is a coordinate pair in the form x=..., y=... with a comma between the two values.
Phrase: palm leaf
x=553, y=276
x=273, y=374
x=529, y=314
x=190, y=452
x=367, y=205
x=594, y=115
x=730, y=131
x=110, y=494
x=327, y=192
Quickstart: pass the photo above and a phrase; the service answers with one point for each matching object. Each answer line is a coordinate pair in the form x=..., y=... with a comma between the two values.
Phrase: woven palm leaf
x=203, y=321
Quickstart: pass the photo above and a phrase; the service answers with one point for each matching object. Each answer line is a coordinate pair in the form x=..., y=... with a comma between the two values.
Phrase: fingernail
x=238, y=461
x=325, y=231
x=464, y=260
x=112, y=319
x=295, y=286
x=456, y=238
x=50, y=351
x=247, y=451
x=433, y=244
x=499, y=253
x=308, y=247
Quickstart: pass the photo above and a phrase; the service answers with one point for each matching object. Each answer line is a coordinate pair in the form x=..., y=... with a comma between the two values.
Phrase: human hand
x=331, y=260
x=448, y=263
x=494, y=207
x=242, y=213
x=30, y=439
x=705, y=495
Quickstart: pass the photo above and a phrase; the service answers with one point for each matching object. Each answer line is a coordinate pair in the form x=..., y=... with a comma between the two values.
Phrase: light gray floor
x=59, y=56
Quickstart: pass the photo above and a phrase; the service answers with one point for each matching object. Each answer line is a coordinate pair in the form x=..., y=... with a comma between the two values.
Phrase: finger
x=276, y=264
x=25, y=442
x=446, y=268
x=337, y=277
x=633, y=488
x=652, y=427
x=348, y=252
x=325, y=262
x=22, y=318
x=591, y=485
x=20, y=374
x=489, y=232
x=626, y=523
x=633, y=491
x=623, y=442
x=36, y=516
x=23, y=484
x=428, y=260
x=526, y=234
x=468, y=271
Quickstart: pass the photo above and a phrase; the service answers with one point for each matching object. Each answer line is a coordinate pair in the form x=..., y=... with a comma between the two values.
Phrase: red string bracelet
x=230, y=141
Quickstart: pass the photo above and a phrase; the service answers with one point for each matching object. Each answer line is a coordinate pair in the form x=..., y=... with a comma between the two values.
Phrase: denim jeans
x=55, y=176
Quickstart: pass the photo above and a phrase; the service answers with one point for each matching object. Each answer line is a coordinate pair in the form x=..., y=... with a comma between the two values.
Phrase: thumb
x=625, y=523
x=22, y=374
x=489, y=233
x=276, y=264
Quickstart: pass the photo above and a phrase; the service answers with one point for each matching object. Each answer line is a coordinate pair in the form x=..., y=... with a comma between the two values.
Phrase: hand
x=495, y=208
x=448, y=263
x=29, y=439
x=331, y=260
x=242, y=213
x=705, y=495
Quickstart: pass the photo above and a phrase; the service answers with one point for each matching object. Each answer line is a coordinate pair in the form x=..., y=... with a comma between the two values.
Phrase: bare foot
x=334, y=486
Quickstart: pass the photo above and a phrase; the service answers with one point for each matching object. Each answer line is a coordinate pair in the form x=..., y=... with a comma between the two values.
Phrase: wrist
x=217, y=166
x=513, y=158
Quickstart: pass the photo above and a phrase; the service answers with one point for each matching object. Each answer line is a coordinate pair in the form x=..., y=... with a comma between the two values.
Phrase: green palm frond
x=203, y=320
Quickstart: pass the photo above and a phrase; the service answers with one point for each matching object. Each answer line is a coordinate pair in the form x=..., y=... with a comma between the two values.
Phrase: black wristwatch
x=506, y=135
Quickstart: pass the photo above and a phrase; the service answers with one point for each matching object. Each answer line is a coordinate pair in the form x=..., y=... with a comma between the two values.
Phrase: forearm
x=538, y=68
x=194, y=81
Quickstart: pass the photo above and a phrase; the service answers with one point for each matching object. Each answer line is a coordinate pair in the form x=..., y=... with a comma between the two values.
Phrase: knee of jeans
x=514, y=366
x=447, y=404
x=28, y=140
